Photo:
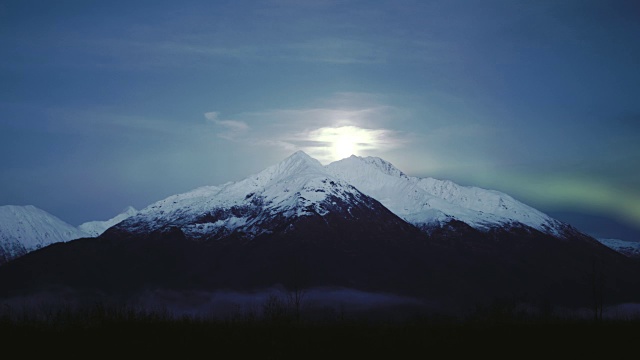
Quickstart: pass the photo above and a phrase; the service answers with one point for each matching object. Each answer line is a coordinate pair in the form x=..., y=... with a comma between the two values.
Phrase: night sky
x=115, y=103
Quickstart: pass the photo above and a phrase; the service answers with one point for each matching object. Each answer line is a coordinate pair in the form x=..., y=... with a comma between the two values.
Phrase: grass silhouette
x=278, y=333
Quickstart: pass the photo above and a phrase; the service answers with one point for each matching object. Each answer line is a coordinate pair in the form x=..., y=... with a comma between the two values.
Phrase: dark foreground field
x=101, y=332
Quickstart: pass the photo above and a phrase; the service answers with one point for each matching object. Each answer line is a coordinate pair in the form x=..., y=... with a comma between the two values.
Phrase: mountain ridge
x=426, y=203
x=429, y=202
x=97, y=227
x=423, y=202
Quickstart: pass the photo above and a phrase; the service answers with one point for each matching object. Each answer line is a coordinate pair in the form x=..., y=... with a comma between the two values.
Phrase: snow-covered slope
x=27, y=228
x=300, y=186
x=628, y=248
x=297, y=187
x=95, y=228
x=427, y=202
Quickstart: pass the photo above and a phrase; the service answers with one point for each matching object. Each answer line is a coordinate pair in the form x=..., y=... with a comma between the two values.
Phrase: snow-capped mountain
x=96, y=228
x=27, y=228
x=628, y=248
x=300, y=186
x=358, y=223
x=297, y=187
x=428, y=202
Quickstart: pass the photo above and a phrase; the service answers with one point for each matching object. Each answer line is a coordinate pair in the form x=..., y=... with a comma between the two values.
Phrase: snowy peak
x=296, y=164
x=96, y=228
x=27, y=228
x=382, y=165
x=426, y=202
x=373, y=166
x=299, y=186
x=301, y=156
x=129, y=210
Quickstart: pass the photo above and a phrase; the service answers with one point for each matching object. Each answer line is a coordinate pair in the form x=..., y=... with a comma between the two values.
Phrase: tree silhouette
x=297, y=281
x=597, y=277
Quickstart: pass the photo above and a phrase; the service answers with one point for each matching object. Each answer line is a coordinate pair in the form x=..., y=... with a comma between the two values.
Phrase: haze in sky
x=110, y=104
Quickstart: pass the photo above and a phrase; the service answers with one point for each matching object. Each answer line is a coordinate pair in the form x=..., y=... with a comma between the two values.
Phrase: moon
x=336, y=143
x=344, y=146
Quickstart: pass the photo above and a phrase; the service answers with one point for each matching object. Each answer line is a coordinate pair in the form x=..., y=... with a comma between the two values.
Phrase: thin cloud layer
x=231, y=129
x=333, y=143
x=350, y=124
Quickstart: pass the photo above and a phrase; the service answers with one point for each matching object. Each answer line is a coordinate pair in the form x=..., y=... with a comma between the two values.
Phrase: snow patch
x=27, y=228
x=625, y=247
x=96, y=228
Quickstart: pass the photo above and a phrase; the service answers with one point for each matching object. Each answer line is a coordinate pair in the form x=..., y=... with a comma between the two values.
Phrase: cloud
x=335, y=51
x=103, y=120
x=340, y=109
x=303, y=35
x=328, y=144
x=333, y=143
x=339, y=126
x=231, y=128
x=196, y=51
x=322, y=50
x=328, y=50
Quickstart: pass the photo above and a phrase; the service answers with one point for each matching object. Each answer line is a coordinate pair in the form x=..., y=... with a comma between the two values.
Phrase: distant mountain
x=598, y=225
x=358, y=224
x=628, y=248
x=27, y=228
x=96, y=228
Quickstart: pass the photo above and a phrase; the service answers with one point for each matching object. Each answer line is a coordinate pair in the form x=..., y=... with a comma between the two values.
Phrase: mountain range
x=358, y=224
x=300, y=186
x=27, y=228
